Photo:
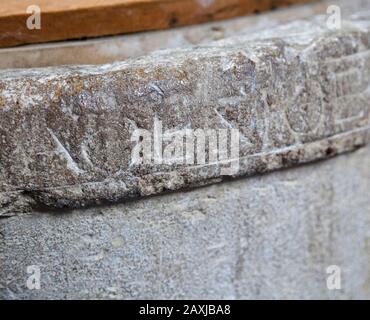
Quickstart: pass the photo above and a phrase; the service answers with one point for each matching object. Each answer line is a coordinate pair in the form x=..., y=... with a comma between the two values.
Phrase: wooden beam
x=74, y=19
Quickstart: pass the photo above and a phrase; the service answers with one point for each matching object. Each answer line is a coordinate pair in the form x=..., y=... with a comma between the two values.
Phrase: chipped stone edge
x=63, y=197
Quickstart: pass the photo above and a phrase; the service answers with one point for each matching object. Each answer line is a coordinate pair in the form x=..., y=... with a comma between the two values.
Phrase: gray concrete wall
x=270, y=236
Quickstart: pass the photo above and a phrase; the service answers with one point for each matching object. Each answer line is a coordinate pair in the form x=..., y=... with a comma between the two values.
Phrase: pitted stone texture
x=294, y=96
x=271, y=236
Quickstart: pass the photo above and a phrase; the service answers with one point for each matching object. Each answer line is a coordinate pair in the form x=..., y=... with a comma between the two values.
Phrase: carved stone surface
x=295, y=97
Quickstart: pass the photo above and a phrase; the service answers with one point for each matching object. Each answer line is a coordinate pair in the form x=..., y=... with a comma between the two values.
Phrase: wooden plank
x=74, y=19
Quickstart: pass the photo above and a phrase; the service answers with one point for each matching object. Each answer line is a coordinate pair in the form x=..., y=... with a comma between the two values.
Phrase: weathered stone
x=298, y=97
x=272, y=236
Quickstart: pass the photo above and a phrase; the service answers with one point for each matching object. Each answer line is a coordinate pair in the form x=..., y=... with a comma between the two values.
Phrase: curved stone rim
x=241, y=83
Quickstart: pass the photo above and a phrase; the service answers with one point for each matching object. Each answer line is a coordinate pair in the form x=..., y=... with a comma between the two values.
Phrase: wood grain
x=75, y=19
